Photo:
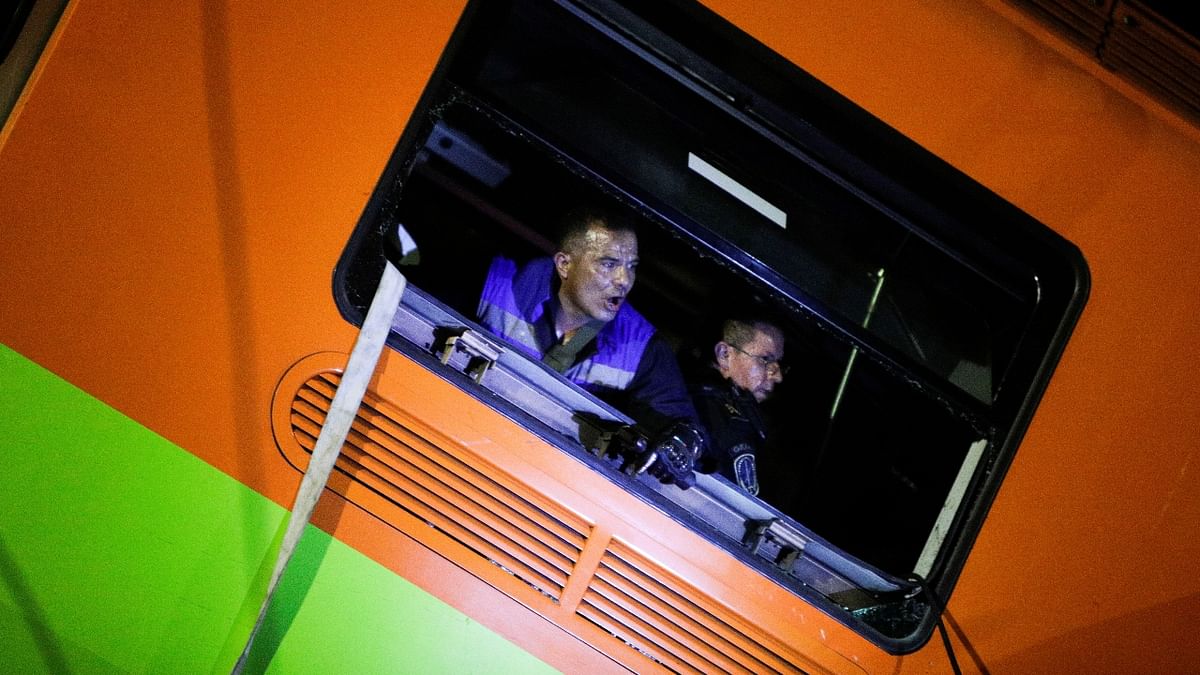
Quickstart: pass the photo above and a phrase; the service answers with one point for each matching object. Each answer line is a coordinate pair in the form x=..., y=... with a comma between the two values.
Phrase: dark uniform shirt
x=736, y=429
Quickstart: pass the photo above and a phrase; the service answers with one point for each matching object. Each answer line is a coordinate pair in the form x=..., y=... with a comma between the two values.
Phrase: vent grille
x=585, y=579
x=1082, y=21
x=1132, y=39
x=1157, y=55
x=655, y=613
x=536, y=543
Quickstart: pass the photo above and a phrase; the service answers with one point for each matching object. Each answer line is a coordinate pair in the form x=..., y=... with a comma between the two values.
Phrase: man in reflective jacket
x=571, y=312
x=744, y=371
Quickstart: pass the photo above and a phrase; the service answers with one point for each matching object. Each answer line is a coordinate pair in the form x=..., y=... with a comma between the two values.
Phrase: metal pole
x=360, y=368
x=837, y=399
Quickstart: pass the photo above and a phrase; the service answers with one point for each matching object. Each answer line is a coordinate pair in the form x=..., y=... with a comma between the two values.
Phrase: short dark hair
x=739, y=331
x=575, y=223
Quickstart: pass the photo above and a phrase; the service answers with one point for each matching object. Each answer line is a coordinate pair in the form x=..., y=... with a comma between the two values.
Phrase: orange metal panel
x=1085, y=545
x=181, y=180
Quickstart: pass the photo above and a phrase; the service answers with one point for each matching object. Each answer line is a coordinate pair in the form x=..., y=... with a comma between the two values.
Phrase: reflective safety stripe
x=510, y=326
x=588, y=372
x=515, y=298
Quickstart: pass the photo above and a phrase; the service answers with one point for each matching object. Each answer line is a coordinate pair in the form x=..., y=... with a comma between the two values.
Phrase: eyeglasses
x=770, y=364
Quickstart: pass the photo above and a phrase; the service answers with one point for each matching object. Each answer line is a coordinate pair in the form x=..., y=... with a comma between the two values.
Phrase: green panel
x=120, y=552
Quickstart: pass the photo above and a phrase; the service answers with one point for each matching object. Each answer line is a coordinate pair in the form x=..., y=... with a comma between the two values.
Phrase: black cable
x=940, y=608
x=949, y=647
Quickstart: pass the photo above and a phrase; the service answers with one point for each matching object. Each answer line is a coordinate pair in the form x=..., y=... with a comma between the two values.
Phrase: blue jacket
x=626, y=356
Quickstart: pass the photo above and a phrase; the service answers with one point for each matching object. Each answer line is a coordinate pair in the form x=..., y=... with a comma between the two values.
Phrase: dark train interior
x=902, y=324
x=872, y=479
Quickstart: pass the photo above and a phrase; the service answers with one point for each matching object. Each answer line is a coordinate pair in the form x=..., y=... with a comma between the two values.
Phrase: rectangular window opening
x=917, y=330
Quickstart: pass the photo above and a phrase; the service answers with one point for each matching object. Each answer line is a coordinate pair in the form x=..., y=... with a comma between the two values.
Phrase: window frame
x=833, y=136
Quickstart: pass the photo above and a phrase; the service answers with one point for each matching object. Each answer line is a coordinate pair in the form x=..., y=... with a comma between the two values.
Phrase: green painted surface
x=122, y=553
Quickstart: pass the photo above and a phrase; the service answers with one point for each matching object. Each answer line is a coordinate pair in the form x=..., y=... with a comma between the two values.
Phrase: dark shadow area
x=35, y=619
x=293, y=588
x=25, y=30
x=1132, y=642
x=872, y=480
x=235, y=252
x=967, y=646
x=243, y=350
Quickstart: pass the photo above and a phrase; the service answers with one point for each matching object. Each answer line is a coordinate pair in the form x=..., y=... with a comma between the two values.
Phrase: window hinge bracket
x=478, y=353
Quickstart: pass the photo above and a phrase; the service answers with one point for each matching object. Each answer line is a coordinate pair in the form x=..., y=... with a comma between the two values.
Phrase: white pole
x=359, y=369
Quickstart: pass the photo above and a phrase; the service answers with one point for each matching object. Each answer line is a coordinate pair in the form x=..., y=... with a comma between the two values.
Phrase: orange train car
x=976, y=239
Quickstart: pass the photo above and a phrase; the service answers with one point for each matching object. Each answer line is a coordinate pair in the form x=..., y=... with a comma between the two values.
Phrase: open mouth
x=614, y=303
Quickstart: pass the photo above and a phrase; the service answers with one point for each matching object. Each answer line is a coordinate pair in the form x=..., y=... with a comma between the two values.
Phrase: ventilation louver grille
x=587, y=581
x=1149, y=50
x=1130, y=38
x=1082, y=21
x=531, y=543
x=656, y=614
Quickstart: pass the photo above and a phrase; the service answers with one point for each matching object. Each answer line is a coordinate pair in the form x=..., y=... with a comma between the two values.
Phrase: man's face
x=755, y=365
x=596, y=276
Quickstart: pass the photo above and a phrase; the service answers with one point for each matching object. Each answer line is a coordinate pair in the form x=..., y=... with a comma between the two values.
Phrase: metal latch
x=480, y=353
x=776, y=541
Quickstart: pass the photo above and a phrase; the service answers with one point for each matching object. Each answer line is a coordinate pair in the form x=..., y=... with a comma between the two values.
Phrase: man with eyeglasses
x=746, y=367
